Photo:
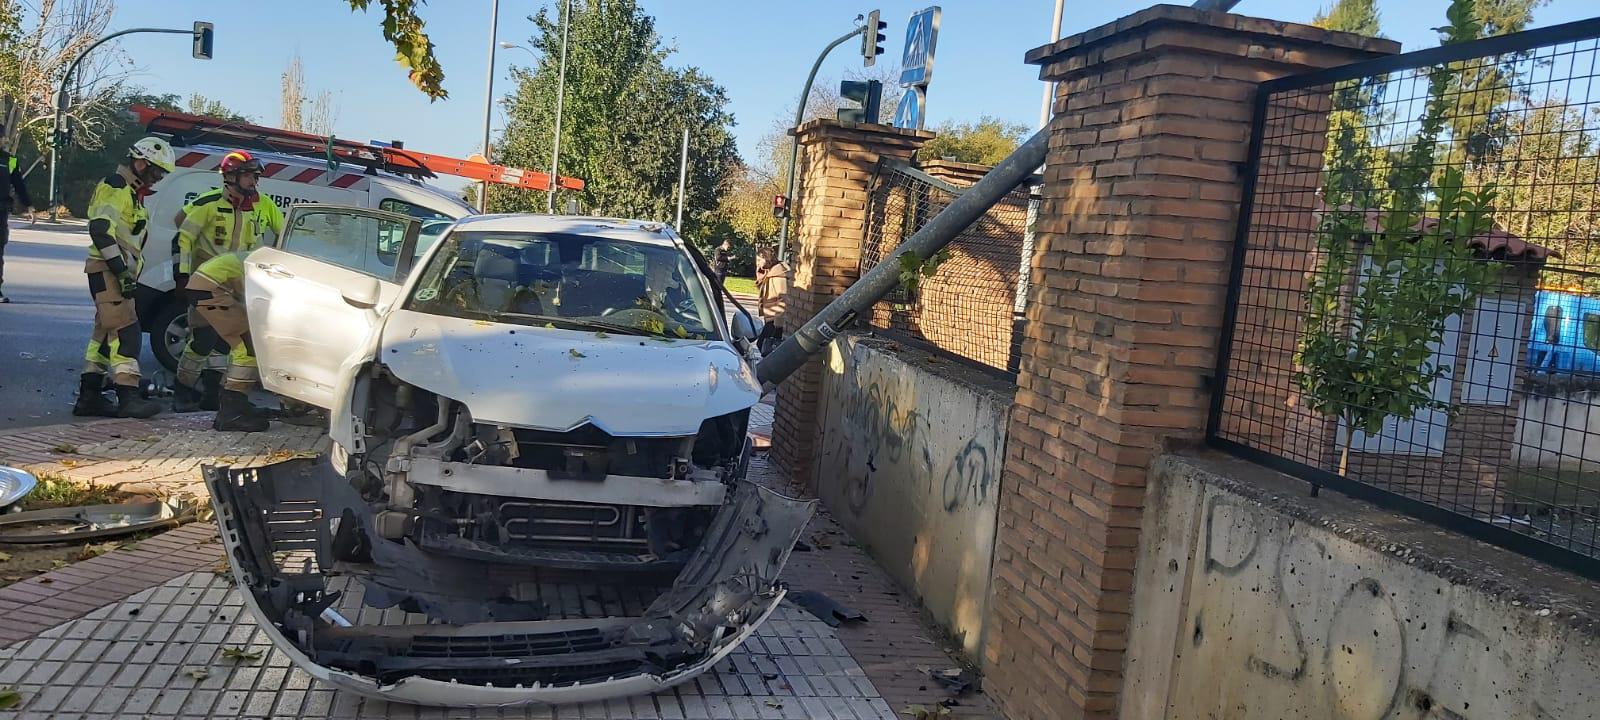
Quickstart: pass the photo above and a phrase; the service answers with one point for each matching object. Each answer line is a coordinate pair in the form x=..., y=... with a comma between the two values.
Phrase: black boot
x=91, y=401
x=234, y=412
x=131, y=405
x=210, y=387
x=185, y=399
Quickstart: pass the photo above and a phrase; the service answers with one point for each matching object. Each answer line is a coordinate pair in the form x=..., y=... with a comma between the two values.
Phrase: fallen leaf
x=774, y=704
x=221, y=568
x=549, y=326
x=574, y=352
x=45, y=581
x=91, y=550
x=65, y=448
x=601, y=334
x=11, y=578
x=240, y=654
x=680, y=332
x=198, y=673
x=921, y=712
x=4, y=556
x=58, y=563
x=68, y=462
x=9, y=698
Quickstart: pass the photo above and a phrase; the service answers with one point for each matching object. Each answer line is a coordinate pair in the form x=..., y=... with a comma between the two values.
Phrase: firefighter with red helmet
x=231, y=220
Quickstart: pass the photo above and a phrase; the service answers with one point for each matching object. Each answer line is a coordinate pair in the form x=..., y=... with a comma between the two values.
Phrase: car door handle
x=275, y=270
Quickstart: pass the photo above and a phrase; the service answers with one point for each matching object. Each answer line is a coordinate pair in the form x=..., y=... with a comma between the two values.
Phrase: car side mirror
x=743, y=327
x=364, y=294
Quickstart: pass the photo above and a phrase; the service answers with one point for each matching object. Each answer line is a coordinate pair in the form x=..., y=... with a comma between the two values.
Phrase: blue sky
x=758, y=51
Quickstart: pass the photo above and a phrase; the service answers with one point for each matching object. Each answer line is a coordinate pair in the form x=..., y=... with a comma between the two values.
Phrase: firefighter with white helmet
x=117, y=229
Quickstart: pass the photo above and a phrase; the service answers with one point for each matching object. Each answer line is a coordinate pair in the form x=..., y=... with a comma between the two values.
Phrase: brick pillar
x=1142, y=186
x=837, y=161
x=956, y=173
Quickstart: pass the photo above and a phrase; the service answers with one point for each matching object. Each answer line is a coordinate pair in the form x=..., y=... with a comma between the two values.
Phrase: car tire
x=168, y=332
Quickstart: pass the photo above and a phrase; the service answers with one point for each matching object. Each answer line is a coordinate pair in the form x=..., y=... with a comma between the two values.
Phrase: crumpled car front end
x=392, y=620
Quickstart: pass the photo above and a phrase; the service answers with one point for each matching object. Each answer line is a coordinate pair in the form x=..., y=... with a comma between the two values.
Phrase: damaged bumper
x=408, y=625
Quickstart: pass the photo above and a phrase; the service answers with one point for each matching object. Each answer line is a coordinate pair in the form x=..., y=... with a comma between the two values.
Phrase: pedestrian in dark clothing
x=719, y=262
x=10, y=182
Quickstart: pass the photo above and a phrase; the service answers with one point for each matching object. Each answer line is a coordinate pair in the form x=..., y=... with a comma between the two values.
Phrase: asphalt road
x=44, y=329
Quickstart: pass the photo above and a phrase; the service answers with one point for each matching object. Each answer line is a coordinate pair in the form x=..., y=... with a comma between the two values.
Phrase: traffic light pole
x=61, y=100
x=794, y=150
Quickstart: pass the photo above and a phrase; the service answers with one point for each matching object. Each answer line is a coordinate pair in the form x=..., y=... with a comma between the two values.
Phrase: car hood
x=553, y=379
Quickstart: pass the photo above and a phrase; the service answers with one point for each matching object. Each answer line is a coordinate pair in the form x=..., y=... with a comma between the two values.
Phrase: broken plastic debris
x=826, y=608
x=956, y=680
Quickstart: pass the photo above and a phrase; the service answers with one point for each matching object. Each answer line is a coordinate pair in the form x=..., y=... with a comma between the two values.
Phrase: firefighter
x=117, y=228
x=10, y=180
x=235, y=218
x=217, y=289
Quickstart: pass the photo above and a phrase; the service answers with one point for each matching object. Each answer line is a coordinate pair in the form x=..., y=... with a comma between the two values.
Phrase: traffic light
x=780, y=206
x=202, y=40
x=869, y=93
x=872, y=39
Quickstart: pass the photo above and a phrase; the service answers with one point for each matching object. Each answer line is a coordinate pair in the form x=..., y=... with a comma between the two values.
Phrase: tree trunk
x=1344, y=454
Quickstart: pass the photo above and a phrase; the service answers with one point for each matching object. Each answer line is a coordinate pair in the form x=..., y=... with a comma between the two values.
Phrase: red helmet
x=239, y=161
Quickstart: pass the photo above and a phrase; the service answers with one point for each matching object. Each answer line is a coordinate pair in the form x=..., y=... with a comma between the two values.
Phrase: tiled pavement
x=146, y=615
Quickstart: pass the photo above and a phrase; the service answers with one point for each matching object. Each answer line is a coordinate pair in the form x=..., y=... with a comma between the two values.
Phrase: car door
x=307, y=296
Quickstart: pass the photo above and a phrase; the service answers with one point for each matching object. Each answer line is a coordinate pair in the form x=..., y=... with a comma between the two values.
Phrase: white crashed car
x=537, y=493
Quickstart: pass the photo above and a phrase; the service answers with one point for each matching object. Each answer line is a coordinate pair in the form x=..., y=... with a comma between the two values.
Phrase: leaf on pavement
x=65, y=448
x=198, y=673
x=58, y=563
x=4, y=556
x=241, y=654
x=9, y=698
x=574, y=353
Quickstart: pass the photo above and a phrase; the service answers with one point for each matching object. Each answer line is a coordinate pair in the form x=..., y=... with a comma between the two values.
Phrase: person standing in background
x=11, y=182
x=772, y=287
x=719, y=262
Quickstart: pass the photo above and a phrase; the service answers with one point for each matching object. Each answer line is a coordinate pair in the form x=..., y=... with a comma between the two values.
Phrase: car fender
x=342, y=418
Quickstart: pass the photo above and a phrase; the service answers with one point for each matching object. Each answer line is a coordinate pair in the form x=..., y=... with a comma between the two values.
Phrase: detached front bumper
x=479, y=633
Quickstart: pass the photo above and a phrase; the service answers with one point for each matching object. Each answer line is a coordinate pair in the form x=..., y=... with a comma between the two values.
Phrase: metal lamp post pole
x=683, y=175
x=794, y=150
x=61, y=101
x=488, y=100
x=561, y=91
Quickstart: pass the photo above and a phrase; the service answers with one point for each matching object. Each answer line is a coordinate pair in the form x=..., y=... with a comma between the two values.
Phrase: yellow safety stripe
x=117, y=207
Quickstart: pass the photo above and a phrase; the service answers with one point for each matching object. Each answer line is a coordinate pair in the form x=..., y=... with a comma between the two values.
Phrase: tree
x=1486, y=90
x=413, y=50
x=201, y=105
x=985, y=142
x=1354, y=16
x=324, y=113
x=292, y=96
x=824, y=101
x=1364, y=354
x=623, y=119
x=38, y=41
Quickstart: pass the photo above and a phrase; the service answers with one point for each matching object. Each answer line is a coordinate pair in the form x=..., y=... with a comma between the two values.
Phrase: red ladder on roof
x=192, y=129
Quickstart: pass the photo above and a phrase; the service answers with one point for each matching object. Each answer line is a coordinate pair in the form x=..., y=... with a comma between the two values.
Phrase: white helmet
x=156, y=151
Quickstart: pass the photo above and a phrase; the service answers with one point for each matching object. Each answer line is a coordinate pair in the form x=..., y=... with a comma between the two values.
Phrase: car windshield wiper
x=586, y=324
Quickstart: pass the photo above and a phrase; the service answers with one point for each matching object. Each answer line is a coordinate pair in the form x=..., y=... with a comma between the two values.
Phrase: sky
x=758, y=50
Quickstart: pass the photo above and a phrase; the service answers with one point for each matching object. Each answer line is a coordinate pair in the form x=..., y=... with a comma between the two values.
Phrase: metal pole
x=561, y=91
x=794, y=149
x=61, y=100
x=683, y=175
x=938, y=232
x=488, y=100
x=1050, y=88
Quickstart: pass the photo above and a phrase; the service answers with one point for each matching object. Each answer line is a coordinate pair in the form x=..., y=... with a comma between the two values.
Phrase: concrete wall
x=909, y=455
x=1560, y=430
x=1253, y=600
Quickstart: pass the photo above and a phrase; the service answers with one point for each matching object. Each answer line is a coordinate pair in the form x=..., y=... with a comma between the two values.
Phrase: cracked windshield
x=567, y=281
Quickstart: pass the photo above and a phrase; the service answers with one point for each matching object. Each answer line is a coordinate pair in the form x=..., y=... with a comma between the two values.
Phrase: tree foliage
x=1365, y=354
x=198, y=104
x=985, y=142
x=38, y=42
x=1483, y=90
x=404, y=29
x=1354, y=16
x=622, y=121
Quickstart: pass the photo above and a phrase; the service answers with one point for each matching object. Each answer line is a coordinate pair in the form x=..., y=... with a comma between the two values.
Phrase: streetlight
x=202, y=34
x=488, y=101
x=508, y=45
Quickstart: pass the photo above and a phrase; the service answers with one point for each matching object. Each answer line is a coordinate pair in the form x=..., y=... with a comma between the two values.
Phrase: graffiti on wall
x=1353, y=644
x=874, y=423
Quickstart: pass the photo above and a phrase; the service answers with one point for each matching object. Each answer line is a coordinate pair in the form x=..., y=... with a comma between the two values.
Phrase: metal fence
x=1414, y=315
x=969, y=301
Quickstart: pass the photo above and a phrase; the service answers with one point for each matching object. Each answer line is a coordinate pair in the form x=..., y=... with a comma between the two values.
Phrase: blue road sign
x=908, y=114
x=922, y=33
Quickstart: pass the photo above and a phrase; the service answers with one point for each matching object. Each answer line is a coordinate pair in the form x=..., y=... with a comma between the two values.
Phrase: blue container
x=1565, y=338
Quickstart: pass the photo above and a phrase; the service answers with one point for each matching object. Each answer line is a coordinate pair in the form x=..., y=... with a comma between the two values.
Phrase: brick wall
x=1142, y=185
x=837, y=161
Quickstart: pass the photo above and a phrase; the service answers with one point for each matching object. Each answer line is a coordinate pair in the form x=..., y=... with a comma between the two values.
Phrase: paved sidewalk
x=115, y=636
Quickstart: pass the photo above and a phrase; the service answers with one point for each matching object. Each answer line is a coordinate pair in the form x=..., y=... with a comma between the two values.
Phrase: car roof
x=640, y=231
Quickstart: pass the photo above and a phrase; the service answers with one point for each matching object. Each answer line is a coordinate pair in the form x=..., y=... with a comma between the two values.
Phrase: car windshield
x=566, y=280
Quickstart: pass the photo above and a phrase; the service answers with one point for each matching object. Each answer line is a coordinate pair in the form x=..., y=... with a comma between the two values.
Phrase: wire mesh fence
x=1415, y=312
x=968, y=300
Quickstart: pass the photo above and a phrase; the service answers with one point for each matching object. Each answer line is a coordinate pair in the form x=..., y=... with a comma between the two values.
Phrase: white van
x=287, y=179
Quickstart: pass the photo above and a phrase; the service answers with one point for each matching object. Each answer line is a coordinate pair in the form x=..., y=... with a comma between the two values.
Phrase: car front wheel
x=169, y=333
